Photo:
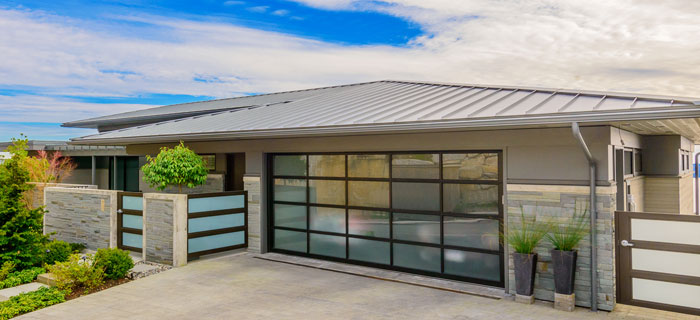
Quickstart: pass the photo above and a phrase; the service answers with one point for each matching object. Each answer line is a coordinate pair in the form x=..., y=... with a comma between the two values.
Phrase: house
x=422, y=177
x=107, y=167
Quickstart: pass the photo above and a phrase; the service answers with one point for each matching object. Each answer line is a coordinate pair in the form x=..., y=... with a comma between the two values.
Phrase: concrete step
x=7, y=293
x=47, y=279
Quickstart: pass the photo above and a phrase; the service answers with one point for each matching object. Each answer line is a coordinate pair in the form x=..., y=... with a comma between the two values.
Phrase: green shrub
x=31, y=301
x=6, y=268
x=21, y=277
x=567, y=236
x=77, y=247
x=178, y=166
x=78, y=273
x=57, y=251
x=528, y=234
x=114, y=261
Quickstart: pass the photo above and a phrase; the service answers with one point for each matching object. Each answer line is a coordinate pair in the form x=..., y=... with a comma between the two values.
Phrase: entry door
x=130, y=221
x=658, y=261
x=433, y=213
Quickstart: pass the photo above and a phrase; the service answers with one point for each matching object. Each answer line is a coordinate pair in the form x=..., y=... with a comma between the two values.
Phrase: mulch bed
x=78, y=292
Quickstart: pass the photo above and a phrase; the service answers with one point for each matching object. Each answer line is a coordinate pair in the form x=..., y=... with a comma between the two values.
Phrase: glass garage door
x=436, y=213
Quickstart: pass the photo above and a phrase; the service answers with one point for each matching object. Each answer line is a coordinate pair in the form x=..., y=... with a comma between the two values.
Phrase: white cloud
x=624, y=45
x=280, y=12
x=258, y=9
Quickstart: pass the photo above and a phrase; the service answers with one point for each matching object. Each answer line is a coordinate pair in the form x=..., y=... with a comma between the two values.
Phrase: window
x=629, y=163
x=638, y=161
x=428, y=212
x=209, y=161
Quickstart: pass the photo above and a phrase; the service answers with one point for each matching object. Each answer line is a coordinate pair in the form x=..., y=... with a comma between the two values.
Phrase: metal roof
x=182, y=110
x=406, y=106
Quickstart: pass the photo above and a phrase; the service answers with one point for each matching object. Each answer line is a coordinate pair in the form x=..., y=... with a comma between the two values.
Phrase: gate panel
x=658, y=261
x=130, y=221
x=216, y=222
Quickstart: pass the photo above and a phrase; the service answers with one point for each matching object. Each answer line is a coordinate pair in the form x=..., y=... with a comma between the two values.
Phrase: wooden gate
x=658, y=261
x=130, y=221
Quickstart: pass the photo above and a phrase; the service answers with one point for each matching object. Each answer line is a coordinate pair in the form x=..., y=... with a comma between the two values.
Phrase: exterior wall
x=82, y=216
x=662, y=194
x=686, y=194
x=84, y=176
x=165, y=228
x=255, y=222
x=215, y=183
x=557, y=203
x=35, y=197
x=637, y=188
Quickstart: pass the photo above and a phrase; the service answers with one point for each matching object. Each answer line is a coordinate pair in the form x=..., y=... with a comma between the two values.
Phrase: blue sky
x=69, y=60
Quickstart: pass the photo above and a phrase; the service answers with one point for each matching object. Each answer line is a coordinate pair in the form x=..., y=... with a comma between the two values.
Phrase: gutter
x=592, y=174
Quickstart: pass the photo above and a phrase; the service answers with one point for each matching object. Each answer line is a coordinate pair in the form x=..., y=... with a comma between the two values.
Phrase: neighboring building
x=422, y=177
x=4, y=156
x=95, y=165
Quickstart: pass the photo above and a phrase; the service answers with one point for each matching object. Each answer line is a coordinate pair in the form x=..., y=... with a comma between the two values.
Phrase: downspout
x=695, y=170
x=592, y=175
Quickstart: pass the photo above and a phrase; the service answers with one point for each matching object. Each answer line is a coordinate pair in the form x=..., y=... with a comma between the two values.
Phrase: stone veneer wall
x=86, y=216
x=165, y=228
x=252, y=185
x=558, y=203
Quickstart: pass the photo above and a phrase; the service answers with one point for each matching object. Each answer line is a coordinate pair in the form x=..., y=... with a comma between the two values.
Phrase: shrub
x=115, y=262
x=21, y=228
x=31, y=301
x=79, y=272
x=6, y=268
x=77, y=247
x=57, y=251
x=21, y=277
x=175, y=167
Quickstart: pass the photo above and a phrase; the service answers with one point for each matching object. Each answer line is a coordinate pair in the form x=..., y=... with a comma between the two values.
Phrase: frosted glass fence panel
x=666, y=231
x=195, y=205
x=132, y=203
x=666, y=292
x=132, y=240
x=216, y=222
x=215, y=241
x=667, y=262
x=132, y=221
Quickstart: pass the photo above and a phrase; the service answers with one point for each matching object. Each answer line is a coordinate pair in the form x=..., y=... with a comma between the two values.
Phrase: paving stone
x=7, y=293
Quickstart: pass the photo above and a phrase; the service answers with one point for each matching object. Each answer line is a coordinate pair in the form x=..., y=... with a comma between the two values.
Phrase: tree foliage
x=21, y=228
x=178, y=166
x=49, y=167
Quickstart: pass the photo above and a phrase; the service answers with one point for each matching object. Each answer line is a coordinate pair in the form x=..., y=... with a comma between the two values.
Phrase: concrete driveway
x=243, y=287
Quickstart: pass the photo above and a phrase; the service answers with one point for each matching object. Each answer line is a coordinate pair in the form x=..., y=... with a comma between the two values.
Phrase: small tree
x=175, y=167
x=21, y=236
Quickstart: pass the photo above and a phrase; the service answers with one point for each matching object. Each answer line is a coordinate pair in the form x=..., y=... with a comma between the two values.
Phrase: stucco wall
x=558, y=204
x=81, y=216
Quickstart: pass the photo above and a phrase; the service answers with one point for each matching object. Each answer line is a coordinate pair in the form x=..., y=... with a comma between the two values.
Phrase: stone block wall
x=557, y=204
x=81, y=215
x=215, y=183
x=255, y=226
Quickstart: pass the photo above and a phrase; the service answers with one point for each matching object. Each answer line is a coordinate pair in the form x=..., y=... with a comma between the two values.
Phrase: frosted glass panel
x=290, y=240
x=215, y=222
x=417, y=227
x=368, y=194
x=132, y=240
x=666, y=292
x=216, y=203
x=416, y=166
x=327, y=192
x=369, y=223
x=327, y=219
x=473, y=264
x=293, y=165
x=417, y=257
x=293, y=190
x=666, y=231
x=370, y=251
x=290, y=216
x=215, y=241
x=470, y=166
x=471, y=198
x=327, y=245
x=416, y=196
x=327, y=165
x=368, y=165
x=132, y=203
x=132, y=221
x=472, y=233
x=667, y=262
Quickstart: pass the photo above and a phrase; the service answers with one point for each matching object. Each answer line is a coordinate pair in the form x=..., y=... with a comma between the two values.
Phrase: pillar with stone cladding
x=252, y=184
x=165, y=228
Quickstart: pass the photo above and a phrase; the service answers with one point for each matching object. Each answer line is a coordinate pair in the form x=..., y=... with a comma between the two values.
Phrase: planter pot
x=564, y=263
x=525, y=268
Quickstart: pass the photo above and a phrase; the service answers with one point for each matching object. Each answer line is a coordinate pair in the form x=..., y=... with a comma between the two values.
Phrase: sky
x=69, y=60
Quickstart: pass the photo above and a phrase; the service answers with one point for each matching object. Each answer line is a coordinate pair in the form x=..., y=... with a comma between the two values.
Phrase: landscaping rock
x=47, y=279
x=143, y=269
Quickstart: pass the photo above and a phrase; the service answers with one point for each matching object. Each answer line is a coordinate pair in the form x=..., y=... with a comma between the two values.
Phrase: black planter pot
x=525, y=268
x=564, y=263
